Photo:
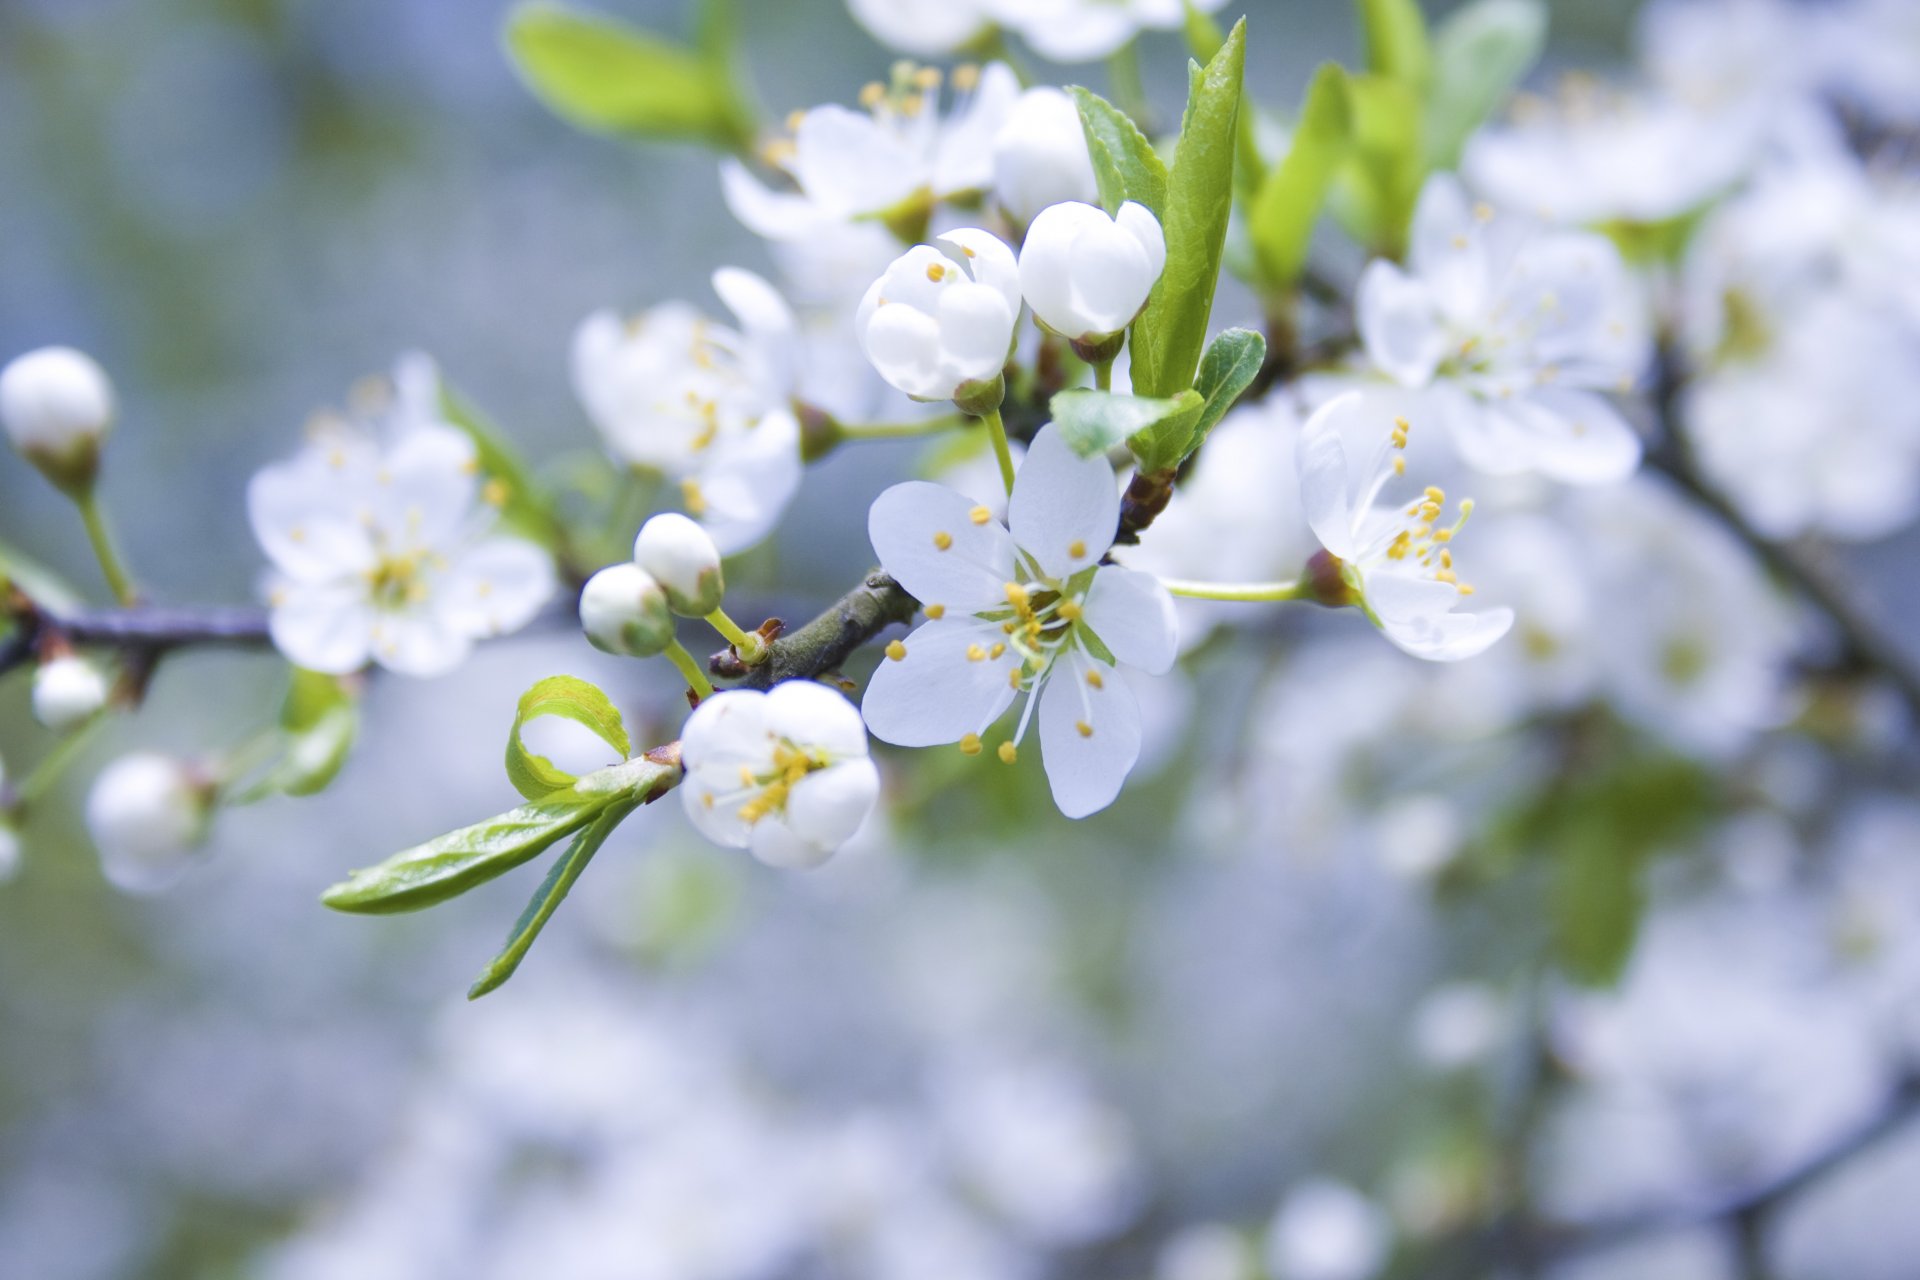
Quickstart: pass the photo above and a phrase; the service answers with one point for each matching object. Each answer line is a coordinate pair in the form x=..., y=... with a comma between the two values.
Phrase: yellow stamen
x=943, y=540
x=970, y=745
x=1086, y=730
x=1007, y=753
x=1093, y=678
x=936, y=271
x=896, y=650
x=692, y=498
x=975, y=653
x=1070, y=610
x=979, y=515
x=936, y=611
x=1077, y=549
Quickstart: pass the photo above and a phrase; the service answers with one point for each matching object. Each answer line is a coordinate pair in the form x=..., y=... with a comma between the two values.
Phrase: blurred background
x=982, y=1043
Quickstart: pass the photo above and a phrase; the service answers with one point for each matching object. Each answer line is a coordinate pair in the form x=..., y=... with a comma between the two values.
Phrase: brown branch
x=823, y=644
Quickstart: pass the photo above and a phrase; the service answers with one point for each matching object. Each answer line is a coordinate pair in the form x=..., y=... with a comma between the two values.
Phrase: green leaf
x=524, y=505
x=1172, y=330
x=571, y=698
x=547, y=898
x=1480, y=53
x=1232, y=362
x=1381, y=182
x=454, y=863
x=1095, y=421
x=1124, y=162
x=1204, y=36
x=1396, y=39
x=608, y=77
x=320, y=720
x=1290, y=199
x=1161, y=446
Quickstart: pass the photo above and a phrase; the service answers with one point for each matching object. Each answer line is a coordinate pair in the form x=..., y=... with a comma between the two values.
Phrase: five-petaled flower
x=1395, y=561
x=382, y=543
x=705, y=405
x=1513, y=331
x=783, y=773
x=1022, y=608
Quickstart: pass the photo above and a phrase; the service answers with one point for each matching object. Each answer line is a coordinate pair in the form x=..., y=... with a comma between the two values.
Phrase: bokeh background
x=982, y=1045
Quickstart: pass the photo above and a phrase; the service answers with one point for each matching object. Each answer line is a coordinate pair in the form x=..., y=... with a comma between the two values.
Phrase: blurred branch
x=1864, y=646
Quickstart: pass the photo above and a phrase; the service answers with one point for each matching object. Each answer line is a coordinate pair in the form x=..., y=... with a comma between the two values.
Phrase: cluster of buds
x=628, y=609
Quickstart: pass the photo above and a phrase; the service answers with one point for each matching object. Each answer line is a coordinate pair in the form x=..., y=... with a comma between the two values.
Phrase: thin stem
x=42, y=777
x=997, y=431
x=689, y=669
x=749, y=646
x=1103, y=375
x=111, y=565
x=857, y=431
x=1239, y=592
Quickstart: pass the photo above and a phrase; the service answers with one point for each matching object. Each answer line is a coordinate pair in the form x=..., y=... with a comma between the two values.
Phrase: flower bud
x=683, y=560
x=66, y=691
x=943, y=315
x=1040, y=156
x=147, y=813
x=1087, y=275
x=56, y=405
x=624, y=611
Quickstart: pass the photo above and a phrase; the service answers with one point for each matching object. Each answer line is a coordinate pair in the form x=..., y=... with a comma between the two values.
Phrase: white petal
x=418, y=644
x=717, y=820
x=963, y=159
x=987, y=259
x=325, y=627
x=813, y=716
x=495, y=587
x=1138, y=221
x=725, y=731
x=1086, y=770
x=1399, y=325
x=1062, y=502
x=1325, y=487
x=775, y=843
x=1112, y=276
x=1447, y=249
x=774, y=215
x=1133, y=616
x=1450, y=637
x=749, y=480
x=826, y=807
x=976, y=330
x=427, y=484
x=904, y=345
x=764, y=315
x=847, y=162
x=1577, y=437
x=970, y=575
x=1046, y=275
x=305, y=520
x=936, y=694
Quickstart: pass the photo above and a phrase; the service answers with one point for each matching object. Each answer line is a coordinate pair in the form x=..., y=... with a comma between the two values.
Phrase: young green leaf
x=1172, y=330
x=1124, y=162
x=320, y=721
x=1095, y=421
x=1160, y=446
x=1232, y=361
x=1396, y=38
x=1204, y=36
x=1381, y=183
x=608, y=77
x=1290, y=199
x=547, y=898
x=454, y=863
x=524, y=506
x=1480, y=53
x=570, y=698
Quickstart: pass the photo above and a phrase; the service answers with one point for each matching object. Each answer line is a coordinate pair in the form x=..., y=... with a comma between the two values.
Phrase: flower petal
x=1399, y=324
x=848, y=163
x=304, y=517
x=813, y=716
x=1325, y=486
x=747, y=483
x=1089, y=736
x=828, y=806
x=1065, y=508
x=325, y=627
x=418, y=644
x=936, y=693
x=907, y=525
x=495, y=587
x=976, y=329
x=1133, y=616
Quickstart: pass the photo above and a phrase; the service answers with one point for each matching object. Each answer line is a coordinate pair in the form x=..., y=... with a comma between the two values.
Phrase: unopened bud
x=683, y=560
x=67, y=691
x=147, y=813
x=57, y=405
x=624, y=611
x=1328, y=581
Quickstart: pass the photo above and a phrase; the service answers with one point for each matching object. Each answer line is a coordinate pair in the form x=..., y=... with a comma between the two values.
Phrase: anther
x=1008, y=753
x=975, y=653
x=936, y=611
x=943, y=540
x=896, y=650
x=1093, y=678
x=979, y=515
x=1077, y=549
x=936, y=271
x=1086, y=730
x=970, y=745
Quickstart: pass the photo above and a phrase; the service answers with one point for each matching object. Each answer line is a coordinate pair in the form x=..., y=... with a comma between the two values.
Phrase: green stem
x=696, y=678
x=56, y=762
x=997, y=430
x=1103, y=375
x=857, y=431
x=1239, y=592
x=111, y=565
x=751, y=648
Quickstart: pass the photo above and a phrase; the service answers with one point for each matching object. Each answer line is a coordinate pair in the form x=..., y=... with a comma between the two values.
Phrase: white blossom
x=1515, y=333
x=624, y=611
x=67, y=691
x=923, y=27
x=783, y=773
x=1396, y=559
x=705, y=405
x=1021, y=608
x=1040, y=156
x=1087, y=275
x=382, y=545
x=897, y=158
x=56, y=405
x=941, y=318
x=147, y=814
x=684, y=561
x=1088, y=30
x=1326, y=1230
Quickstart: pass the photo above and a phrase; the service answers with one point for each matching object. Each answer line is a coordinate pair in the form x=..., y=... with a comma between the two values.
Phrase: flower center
x=768, y=790
x=399, y=581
